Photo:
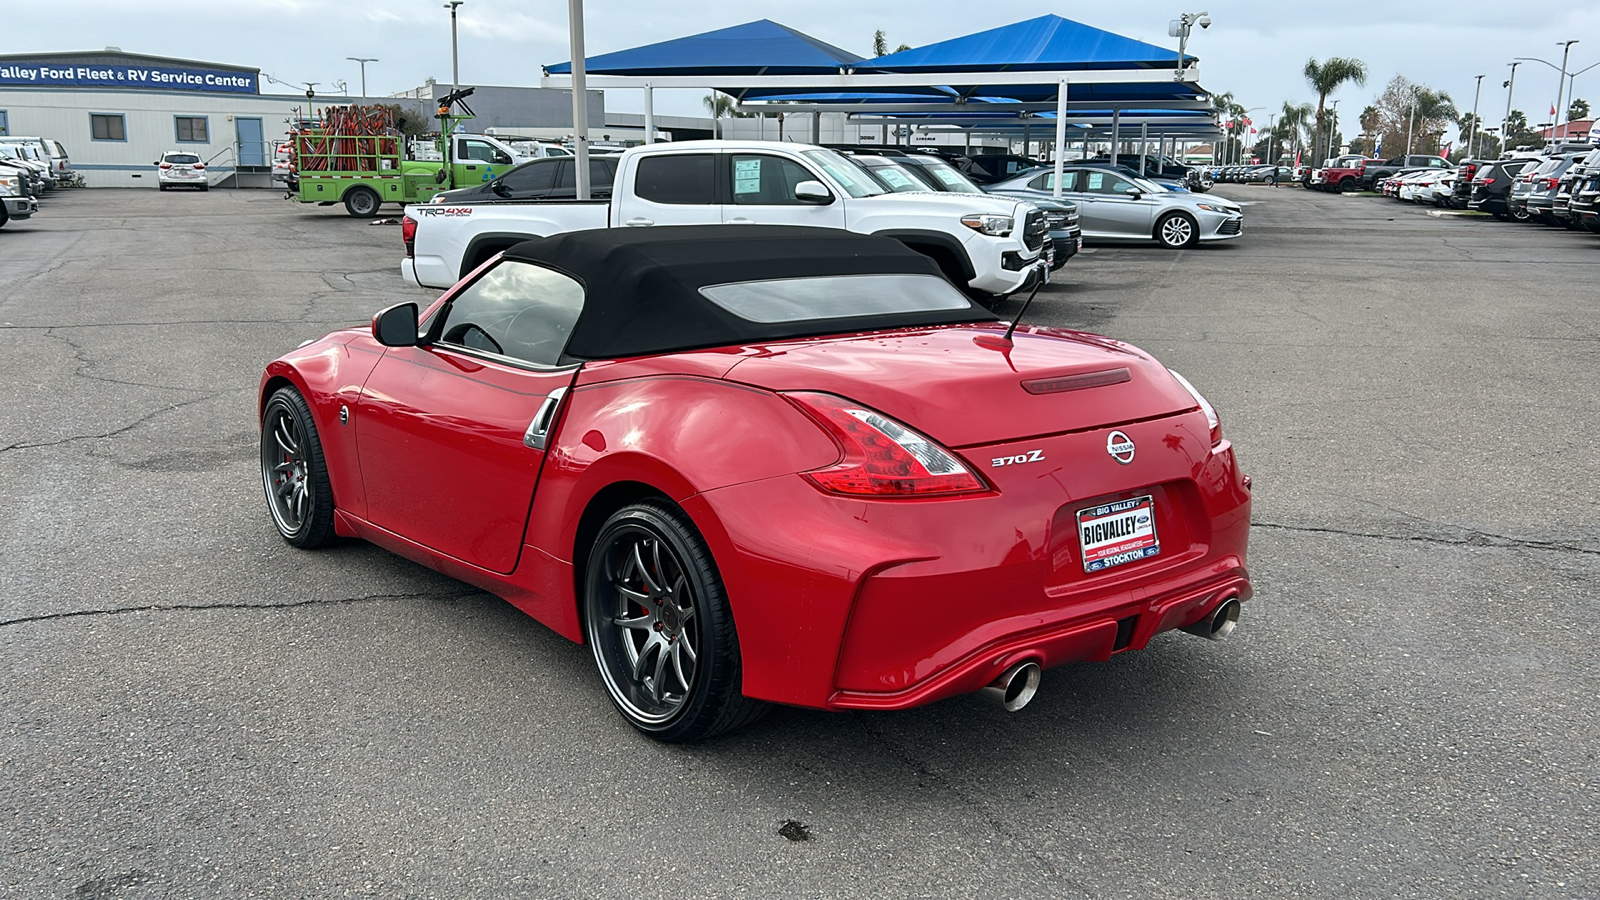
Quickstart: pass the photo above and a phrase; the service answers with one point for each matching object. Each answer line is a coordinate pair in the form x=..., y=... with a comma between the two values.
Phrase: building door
x=252, y=150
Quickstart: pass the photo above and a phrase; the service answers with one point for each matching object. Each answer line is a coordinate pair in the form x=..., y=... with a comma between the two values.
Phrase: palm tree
x=1578, y=110
x=880, y=44
x=1432, y=109
x=721, y=106
x=1327, y=77
x=1293, y=121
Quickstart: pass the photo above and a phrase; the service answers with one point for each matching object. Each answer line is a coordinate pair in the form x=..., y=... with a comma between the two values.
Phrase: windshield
x=892, y=176
x=182, y=159
x=845, y=173
x=948, y=177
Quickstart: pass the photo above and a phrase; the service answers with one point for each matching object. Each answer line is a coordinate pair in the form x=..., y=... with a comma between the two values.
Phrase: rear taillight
x=200, y=166
x=408, y=233
x=881, y=457
x=1550, y=184
x=166, y=165
x=1212, y=418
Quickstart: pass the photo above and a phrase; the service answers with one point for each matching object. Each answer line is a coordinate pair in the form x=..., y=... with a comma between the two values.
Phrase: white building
x=116, y=112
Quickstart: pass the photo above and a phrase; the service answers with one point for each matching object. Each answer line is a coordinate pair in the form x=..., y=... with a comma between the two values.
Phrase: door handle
x=539, y=429
x=741, y=221
x=638, y=222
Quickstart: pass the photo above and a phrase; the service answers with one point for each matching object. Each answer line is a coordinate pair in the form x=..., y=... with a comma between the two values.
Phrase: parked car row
x=30, y=167
x=1556, y=188
x=873, y=189
x=1252, y=174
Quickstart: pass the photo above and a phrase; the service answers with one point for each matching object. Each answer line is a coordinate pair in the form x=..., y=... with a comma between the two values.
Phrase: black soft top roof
x=642, y=285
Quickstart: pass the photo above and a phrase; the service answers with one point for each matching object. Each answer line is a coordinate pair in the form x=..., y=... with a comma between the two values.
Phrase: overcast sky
x=1254, y=49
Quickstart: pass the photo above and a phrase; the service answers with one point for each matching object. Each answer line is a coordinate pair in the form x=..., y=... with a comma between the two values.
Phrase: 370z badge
x=1030, y=456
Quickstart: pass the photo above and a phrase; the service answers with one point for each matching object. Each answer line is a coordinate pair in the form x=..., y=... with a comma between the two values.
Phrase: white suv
x=176, y=167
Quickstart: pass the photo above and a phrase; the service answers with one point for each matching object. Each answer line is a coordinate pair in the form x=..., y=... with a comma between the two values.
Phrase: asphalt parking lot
x=194, y=709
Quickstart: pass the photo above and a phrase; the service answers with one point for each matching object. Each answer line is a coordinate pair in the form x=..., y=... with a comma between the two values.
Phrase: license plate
x=1118, y=533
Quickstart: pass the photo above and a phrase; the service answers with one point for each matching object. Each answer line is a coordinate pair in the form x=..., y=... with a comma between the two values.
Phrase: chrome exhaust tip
x=1221, y=623
x=1016, y=687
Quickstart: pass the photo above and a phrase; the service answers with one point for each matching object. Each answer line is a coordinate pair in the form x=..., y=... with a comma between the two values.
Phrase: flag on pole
x=1444, y=151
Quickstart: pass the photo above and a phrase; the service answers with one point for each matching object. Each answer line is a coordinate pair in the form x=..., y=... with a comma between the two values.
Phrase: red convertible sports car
x=753, y=465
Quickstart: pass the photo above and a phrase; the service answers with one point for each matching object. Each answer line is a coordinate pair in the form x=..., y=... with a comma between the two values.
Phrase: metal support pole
x=1411, y=124
x=1144, y=144
x=1116, y=132
x=649, y=114
x=1027, y=135
x=816, y=128
x=580, y=99
x=455, y=56
x=1061, y=134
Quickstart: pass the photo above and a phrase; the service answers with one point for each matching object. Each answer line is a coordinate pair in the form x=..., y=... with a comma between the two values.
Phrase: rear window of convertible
x=834, y=297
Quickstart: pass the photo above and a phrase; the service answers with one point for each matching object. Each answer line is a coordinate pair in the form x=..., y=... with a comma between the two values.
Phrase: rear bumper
x=859, y=604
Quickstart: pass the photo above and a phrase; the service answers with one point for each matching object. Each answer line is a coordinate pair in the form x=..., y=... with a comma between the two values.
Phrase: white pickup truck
x=993, y=245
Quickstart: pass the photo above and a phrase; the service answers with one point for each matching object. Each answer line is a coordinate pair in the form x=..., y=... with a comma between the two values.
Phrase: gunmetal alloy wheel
x=660, y=629
x=293, y=471
x=1176, y=231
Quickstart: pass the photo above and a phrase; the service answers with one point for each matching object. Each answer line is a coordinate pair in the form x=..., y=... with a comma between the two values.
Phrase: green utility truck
x=354, y=157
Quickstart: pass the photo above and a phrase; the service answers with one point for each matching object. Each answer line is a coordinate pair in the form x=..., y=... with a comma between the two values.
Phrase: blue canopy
x=763, y=47
x=1048, y=43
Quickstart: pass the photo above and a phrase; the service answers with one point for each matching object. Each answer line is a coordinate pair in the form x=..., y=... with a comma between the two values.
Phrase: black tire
x=362, y=202
x=1518, y=213
x=1347, y=185
x=205, y=188
x=162, y=187
x=294, y=473
x=1177, y=231
x=1501, y=216
x=5, y=216
x=652, y=598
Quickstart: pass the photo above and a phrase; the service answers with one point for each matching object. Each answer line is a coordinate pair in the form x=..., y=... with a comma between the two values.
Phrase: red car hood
x=964, y=387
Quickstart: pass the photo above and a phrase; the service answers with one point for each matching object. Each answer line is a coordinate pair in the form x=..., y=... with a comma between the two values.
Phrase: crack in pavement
x=192, y=607
x=85, y=364
x=126, y=428
x=1473, y=538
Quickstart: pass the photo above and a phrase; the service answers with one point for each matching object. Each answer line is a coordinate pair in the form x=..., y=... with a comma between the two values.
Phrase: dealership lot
x=195, y=709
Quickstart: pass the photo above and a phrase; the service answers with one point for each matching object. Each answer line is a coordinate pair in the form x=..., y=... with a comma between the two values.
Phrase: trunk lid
x=963, y=387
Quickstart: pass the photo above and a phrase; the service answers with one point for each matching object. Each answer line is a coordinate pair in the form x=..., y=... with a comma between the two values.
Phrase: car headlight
x=1212, y=207
x=8, y=187
x=985, y=223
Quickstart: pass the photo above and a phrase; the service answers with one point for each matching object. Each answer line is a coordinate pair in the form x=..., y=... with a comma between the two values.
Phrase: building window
x=107, y=127
x=192, y=130
x=4, y=127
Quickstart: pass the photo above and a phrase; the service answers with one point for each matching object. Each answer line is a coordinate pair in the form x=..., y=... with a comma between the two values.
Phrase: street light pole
x=1473, y=134
x=363, y=61
x=1505, y=123
x=1561, y=83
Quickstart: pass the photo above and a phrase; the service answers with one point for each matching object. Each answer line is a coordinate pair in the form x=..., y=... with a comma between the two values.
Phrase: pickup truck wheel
x=657, y=620
x=1177, y=231
x=362, y=202
x=1347, y=184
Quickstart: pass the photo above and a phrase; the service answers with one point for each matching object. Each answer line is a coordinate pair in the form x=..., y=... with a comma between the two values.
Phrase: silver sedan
x=1114, y=206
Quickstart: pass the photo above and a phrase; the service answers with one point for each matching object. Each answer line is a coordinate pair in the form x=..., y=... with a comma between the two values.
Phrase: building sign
x=172, y=78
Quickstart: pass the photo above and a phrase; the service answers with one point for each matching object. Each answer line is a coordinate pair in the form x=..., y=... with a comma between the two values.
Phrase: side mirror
x=813, y=192
x=396, y=326
x=1137, y=195
x=499, y=188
